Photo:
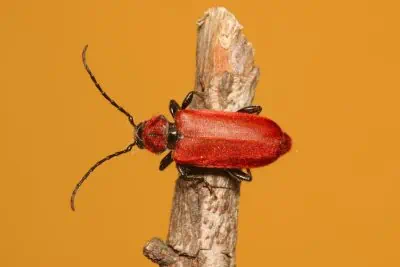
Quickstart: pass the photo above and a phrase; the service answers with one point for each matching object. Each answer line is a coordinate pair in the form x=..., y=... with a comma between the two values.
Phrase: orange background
x=329, y=77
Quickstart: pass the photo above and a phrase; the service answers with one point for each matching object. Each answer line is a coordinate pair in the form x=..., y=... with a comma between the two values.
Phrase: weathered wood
x=203, y=223
x=158, y=252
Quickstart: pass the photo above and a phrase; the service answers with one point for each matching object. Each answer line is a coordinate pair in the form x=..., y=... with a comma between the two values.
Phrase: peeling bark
x=203, y=223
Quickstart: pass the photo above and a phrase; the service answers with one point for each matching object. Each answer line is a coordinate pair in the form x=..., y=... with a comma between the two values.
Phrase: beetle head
x=153, y=134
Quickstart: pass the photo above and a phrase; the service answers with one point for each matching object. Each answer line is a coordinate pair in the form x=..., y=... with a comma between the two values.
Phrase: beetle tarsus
x=251, y=110
x=166, y=161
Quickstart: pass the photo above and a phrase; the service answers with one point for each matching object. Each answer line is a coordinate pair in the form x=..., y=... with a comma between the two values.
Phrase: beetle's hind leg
x=251, y=110
x=240, y=175
x=166, y=161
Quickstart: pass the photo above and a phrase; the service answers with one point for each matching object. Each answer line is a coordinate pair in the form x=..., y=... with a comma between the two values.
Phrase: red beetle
x=204, y=139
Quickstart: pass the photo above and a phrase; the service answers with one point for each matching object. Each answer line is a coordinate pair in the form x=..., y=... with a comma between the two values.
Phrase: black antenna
x=126, y=150
x=130, y=118
x=78, y=185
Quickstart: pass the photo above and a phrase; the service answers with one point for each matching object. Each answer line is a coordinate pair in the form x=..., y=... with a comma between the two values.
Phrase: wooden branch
x=203, y=223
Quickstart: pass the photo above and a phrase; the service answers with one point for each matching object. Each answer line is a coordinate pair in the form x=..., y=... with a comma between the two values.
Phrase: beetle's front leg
x=166, y=161
x=240, y=175
x=173, y=107
x=251, y=110
x=189, y=97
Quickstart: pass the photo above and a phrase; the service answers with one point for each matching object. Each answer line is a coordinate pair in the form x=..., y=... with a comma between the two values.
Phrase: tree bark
x=204, y=220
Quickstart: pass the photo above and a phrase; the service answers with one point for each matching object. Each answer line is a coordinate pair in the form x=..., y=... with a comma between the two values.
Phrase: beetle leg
x=240, y=175
x=251, y=110
x=189, y=97
x=250, y=175
x=173, y=107
x=166, y=161
x=185, y=173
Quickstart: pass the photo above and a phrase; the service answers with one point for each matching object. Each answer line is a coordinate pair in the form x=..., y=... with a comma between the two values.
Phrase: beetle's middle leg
x=251, y=110
x=240, y=175
x=186, y=173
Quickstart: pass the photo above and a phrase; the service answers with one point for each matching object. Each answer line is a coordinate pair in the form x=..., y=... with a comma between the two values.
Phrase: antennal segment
x=78, y=185
x=130, y=118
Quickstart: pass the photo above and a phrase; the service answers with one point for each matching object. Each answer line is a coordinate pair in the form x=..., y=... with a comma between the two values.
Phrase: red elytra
x=216, y=139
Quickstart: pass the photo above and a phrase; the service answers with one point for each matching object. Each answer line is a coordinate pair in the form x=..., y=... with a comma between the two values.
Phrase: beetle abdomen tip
x=286, y=143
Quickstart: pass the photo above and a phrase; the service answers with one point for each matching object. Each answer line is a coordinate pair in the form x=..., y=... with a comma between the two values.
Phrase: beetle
x=203, y=139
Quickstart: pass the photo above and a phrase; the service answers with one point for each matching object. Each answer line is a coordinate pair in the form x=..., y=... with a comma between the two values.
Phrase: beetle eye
x=139, y=130
x=139, y=133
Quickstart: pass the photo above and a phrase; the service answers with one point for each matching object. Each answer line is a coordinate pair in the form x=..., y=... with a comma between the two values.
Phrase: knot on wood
x=158, y=252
